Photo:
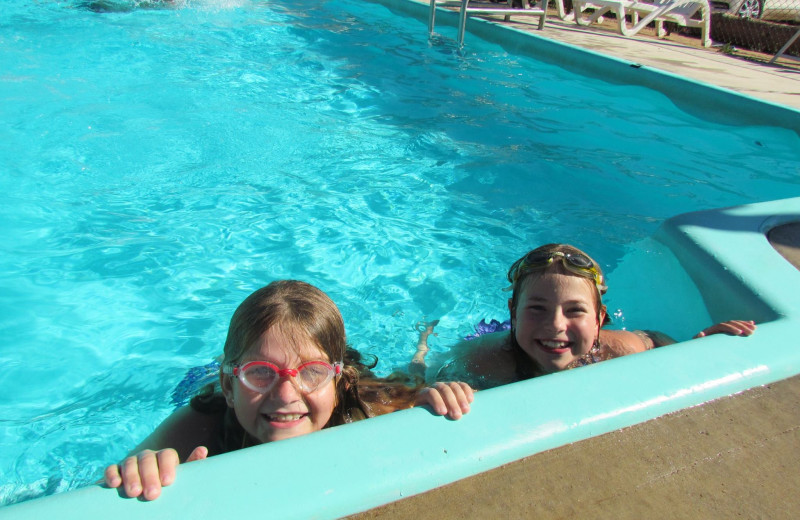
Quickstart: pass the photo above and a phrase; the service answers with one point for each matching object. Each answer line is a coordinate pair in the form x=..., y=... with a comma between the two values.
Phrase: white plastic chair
x=643, y=13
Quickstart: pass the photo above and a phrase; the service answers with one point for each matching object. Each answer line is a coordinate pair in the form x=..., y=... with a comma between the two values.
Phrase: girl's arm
x=731, y=327
x=616, y=343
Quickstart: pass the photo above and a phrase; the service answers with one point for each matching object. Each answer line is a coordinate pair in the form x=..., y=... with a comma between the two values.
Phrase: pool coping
x=734, y=457
x=346, y=470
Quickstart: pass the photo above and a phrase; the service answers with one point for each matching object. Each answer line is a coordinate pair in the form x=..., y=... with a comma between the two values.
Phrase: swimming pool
x=159, y=164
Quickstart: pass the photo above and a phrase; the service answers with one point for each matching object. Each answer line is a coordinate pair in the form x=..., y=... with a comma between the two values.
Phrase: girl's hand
x=146, y=472
x=451, y=399
x=732, y=328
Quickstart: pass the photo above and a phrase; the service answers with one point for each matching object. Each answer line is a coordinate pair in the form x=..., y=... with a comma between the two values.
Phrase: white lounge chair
x=560, y=10
x=687, y=13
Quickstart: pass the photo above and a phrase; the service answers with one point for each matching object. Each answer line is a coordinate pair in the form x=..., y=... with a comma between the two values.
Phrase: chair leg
x=640, y=23
x=705, y=31
x=507, y=18
x=577, y=9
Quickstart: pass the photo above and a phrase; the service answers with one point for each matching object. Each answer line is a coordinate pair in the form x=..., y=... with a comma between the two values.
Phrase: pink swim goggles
x=262, y=376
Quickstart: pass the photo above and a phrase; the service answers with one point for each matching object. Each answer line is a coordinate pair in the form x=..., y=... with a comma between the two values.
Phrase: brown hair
x=518, y=275
x=306, y=313
x=295, y=307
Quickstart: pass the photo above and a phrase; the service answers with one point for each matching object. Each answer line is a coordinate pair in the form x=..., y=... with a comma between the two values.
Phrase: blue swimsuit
x=195, y=379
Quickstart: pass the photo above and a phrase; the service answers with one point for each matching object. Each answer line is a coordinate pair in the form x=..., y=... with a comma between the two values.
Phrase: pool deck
x=779, y=83
x=786, y=241
x=734, y=457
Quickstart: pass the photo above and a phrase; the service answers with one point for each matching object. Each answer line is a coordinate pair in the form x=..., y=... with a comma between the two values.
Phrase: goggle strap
x=568, y=259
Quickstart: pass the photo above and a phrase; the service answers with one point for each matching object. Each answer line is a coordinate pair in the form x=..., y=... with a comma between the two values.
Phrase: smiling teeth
x=285, y=417
x=553, y=344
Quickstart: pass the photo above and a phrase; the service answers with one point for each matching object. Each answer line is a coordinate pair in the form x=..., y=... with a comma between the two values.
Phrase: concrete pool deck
x=732, y=457
x=778, y=83
x=774, y=83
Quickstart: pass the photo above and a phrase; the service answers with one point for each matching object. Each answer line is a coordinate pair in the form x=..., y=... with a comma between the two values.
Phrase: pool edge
x=351, y=469
x=701, y=99
x=731, y=457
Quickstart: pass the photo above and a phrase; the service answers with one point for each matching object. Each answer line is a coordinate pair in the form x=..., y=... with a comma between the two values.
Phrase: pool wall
x=701, y=99
x=349, y=469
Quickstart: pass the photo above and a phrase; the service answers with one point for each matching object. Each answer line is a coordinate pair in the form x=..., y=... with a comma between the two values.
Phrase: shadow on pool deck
x=735, y=457
x=786, y=240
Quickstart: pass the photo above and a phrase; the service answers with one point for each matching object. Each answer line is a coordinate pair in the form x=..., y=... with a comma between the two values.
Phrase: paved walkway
x=732, y=458
x=775, y=83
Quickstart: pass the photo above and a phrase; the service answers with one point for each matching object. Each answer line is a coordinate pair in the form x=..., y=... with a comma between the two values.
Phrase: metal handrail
x=464, y=11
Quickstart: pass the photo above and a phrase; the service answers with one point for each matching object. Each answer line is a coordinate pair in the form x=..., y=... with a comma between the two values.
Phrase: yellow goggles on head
x=574, y=262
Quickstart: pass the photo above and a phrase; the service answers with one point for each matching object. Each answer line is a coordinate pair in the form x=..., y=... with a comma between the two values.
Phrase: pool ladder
x=464, y=10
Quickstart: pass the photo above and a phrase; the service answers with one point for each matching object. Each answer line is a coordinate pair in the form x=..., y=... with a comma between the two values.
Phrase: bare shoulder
x=617, y=343
x=483, y=343
x=484, y=362
x=184, y=430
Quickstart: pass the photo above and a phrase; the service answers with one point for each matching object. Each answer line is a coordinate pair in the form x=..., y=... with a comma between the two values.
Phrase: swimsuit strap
x=593, y=356
x=196, y=379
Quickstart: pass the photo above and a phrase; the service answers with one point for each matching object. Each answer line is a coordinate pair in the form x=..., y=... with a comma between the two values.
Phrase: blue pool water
x=157, y=165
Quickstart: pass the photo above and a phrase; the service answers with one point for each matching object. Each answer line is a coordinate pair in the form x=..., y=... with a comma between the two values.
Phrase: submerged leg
x=417, y=365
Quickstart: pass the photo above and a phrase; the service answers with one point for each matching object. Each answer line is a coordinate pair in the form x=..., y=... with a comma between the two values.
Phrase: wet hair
x=367, y=395
x=518, y=276
x=299, y=309
x=304, y=313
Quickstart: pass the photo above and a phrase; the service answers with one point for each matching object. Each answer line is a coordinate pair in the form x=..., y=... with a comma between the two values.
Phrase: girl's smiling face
x=556, y=319
x=284, y=411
